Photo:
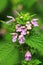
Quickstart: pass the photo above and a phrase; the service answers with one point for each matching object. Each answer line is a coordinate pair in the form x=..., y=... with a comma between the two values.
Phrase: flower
x=23, y=30
x=28, y=56
x=28, y=25
x=10, y=17
x=7, y=22
x=18, y=28
x=21, y=39
x=34, y=22
x=14, y=37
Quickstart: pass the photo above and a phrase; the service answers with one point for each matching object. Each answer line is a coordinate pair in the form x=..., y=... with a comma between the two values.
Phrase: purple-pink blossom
x=14, y=37
x=18, y=28
x=28, y=56
x=34, y=22
x=23, y=30
x=11, y=19
x=21, y=39
x=28, y=25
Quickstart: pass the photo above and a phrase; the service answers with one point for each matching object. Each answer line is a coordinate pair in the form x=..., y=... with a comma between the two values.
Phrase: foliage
x=33, y=40
x=13, y=53
x=32, y=62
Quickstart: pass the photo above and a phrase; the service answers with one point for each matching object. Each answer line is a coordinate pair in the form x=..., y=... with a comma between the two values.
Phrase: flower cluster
x=21, y=31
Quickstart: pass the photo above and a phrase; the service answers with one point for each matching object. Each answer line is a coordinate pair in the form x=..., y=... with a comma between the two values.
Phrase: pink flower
x=12, y=19
x=34, y=22
x=28, y=25
x=23, y=30
x=14, y=37
x=18, y=28
x=21, y=39
x=28, y=56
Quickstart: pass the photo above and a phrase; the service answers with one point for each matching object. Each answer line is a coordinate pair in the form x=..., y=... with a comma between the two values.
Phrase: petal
x=14, y=34
x=23, y=33
x=23, y=29
x=27, y=23
x=28, y=54
x=26, y=59
x=11, y=17
x=21, y=39
x=14, y=39
x=7, y=22
x=18, y=28
x=29, y=27
x=34, y=22
x=21, y=36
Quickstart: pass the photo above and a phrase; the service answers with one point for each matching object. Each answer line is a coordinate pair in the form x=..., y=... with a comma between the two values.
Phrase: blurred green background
x=32, y=6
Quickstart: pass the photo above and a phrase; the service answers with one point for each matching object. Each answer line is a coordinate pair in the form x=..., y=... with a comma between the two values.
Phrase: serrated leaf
x=34, y=62
x=9, y=54
x=22, y=18
x=35, y=40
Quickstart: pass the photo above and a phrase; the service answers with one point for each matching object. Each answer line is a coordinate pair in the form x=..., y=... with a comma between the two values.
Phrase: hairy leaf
x=35, y=40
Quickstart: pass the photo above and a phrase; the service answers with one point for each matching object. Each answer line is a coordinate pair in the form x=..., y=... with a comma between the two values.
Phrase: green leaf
x=31, y=62
x=35, y=40
x=29, y=3
x=22, y=18
x=9, y=52
x=34, y=62
x=40, y=6
x=14, y=2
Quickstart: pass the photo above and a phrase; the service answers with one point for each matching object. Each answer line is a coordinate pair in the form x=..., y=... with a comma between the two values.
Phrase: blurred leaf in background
x=3, y=4
x=40, y=6
x=29, y=3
